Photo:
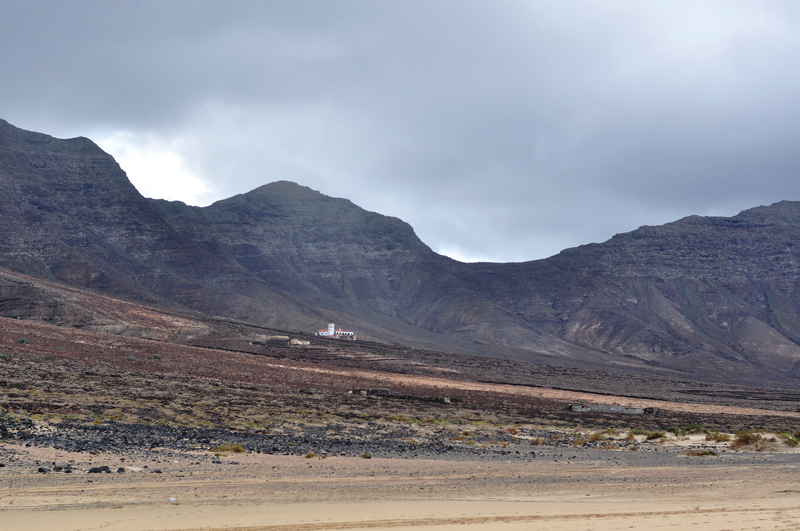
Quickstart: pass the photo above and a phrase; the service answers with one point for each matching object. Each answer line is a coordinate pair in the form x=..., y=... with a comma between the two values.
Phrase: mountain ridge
x=707, y=297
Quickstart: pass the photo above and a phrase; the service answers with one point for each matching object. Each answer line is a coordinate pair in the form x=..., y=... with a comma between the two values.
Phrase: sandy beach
x=264, y=492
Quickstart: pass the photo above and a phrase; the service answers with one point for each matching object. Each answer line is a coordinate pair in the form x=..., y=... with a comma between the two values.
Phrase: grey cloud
x=503, y=130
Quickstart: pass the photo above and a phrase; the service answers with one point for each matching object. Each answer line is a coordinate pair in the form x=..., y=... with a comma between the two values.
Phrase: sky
x=500, y=130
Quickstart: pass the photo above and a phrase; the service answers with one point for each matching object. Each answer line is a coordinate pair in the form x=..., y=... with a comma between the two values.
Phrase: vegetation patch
x=701, y=453
x=229, y=448
x=745, y=438
x=717, y=436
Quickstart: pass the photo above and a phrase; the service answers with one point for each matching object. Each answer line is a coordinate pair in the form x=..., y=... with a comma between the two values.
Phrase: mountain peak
x=786, y=211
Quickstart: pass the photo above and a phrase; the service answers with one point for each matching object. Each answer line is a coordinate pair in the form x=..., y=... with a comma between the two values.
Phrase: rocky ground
x=117, y=400
x=156, y=449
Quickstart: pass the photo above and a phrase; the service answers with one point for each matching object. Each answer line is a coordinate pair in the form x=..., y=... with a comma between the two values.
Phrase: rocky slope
x=713, y=294
x=708, y=297
x=704, y=295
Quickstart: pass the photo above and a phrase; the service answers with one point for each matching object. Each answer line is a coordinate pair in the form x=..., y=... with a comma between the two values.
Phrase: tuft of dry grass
x=536, y=441
x=717, y=436
x=701, y=453
x=597, y=437
x=229, y=448
x=745, y=438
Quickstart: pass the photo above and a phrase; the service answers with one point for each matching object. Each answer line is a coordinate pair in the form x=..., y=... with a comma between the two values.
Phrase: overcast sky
x=501, y=131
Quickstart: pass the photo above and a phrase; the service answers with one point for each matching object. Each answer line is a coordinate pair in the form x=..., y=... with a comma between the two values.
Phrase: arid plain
x=257, y=435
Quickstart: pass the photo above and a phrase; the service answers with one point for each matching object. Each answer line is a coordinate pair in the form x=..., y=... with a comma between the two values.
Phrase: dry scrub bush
x=536, y=441
x=745, y=438
x=700, y=453
x=228, y=447
x=717, y=436
x=597, y=437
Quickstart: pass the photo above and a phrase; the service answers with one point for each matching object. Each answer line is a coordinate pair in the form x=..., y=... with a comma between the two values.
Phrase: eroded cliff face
x=713, y=297
x=308, y=244
x=317, y=248
x=69, y=212
x=709, y=294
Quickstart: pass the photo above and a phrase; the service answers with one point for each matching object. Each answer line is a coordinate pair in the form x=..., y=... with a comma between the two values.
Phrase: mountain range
x=702, y=297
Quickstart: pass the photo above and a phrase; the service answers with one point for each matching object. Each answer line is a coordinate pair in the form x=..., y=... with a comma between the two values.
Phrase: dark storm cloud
x=502, y=130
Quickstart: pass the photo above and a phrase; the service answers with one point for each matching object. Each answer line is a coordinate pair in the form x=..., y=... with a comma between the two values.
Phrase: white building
x=331, y=331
